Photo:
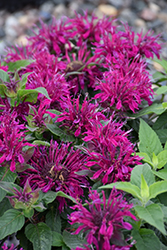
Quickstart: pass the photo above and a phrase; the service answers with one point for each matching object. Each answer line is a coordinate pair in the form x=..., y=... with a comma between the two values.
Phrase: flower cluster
x=103, y=219
x=110, y=152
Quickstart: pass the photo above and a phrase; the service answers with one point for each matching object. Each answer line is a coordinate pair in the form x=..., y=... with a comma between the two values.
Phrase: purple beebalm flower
x=86, y=67
x=126, y=43
x=54, y=36
x=103, y=220
x=110, y=152
x=12, y=140
x=77, y=119
x=125, y=85
x=12, y=247
x=55, y=168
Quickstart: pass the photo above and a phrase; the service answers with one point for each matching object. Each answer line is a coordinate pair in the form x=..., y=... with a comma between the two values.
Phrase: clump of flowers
x=103, y=219
x=12, y=247
x=125, y=85
x=76, y=118
x=12, y=140
x=110, y=152
x=55, y=168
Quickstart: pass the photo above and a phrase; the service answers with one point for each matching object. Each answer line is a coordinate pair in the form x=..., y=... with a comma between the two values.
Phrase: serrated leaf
x=144, y=190
x=162, y=134
x=57, y=239
x=17, y=65
x=161, y=90
x=53, y=220
x=125, y=186
x=10, y=222
x=44, y=143
x=162, y=159
x=4, y=206
x=24, y=92
x=40, y=235
x=146, y=239
x=47, y=197
x=153, y=215
x=161, y=173
x=149, y=141
x=145, y=157
x=4, y=76
x=154, y=108
x=54, y=129
x=160, y=123
x=144, y=169
x=8, y=186
x=72, y=241
x=157, y=188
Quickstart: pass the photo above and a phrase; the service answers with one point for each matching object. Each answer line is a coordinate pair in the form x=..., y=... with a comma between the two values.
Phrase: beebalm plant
x=83, y=145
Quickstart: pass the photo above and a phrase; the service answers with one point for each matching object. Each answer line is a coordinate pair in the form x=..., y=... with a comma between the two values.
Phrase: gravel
x=143, y=15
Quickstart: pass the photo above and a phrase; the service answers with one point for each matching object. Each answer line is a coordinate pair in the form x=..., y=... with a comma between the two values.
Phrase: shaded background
x=18, y=17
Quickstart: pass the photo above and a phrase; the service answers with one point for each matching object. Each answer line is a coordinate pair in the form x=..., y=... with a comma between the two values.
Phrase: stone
x=11, y=25
x=154, y=7
x=108, y=10
x=22, y=40
x=162, y=16
x=2, y=47
x=140, y=23
x=128, y=16
x=2, y=32
x=47, y=7
x=59, y=11
x=148, y=15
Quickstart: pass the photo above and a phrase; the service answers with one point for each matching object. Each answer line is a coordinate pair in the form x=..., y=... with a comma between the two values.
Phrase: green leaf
x=149, y=141
x=10, y=222
x=72, y=241
x=4, y=77
x=62, y=194
x=8, y=186
x=162, y=62
x=13, y=66
x=44, y=143
x=40, y=235
x=6, y=175
x=161, y=174
x=24, y=92
x=57, y=239
x=145, y=157
x=144, y=190
x=146, y=239
x=125, y=186
x=162, y=134
x=53, y=220
x=161, y=90
x=153, y=215
x=157, y=188
x=54, y=129
x=160, y=122
x=162, y=159
x=4, y=206
x=47, y=197
x=154, y=108
x=144, y=169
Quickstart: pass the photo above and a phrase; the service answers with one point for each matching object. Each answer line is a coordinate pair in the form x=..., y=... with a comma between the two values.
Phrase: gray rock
x=128, y=16
x=10, y=26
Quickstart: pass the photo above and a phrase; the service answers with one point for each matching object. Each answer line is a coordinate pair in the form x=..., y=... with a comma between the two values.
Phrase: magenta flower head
x=103, y=220
x=81, y=70
x=110, y=152
x=56, y=168
x=125, y=85
x=12, y=140
x=54, y=36
x=78, y=119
